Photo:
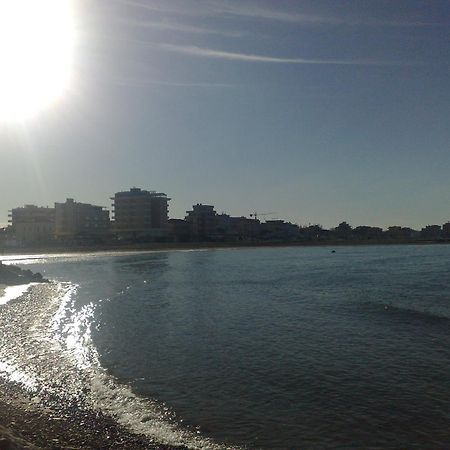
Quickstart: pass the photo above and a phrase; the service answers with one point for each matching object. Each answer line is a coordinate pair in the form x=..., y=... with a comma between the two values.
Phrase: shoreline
x=28, y=426
x=167, y=246
x=38, y=419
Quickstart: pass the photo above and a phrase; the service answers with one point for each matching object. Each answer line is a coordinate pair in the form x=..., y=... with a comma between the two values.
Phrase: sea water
x=270, y=348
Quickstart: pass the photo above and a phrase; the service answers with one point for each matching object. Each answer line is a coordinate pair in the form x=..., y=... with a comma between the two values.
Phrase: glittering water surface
x=262, y=348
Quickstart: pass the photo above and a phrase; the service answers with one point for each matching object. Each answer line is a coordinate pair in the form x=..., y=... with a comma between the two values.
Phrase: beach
x=27, y=425
x=257, y=348
x=32, y=417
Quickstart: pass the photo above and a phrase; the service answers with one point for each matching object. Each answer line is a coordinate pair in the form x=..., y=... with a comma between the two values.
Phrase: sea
x=249, y=348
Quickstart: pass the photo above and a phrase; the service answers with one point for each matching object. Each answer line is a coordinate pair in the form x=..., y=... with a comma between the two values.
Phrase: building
x=32, y=224
x=245, y=228
x=75, y=221
x=401, y=233
x=431, y=232
x=279, y=230
x=238, y=228
x=179, y=230
x=140, y=214
x=203, y=223
x=446, y=230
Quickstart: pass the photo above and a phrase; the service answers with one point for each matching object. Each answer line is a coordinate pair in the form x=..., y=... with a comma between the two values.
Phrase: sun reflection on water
x=72, y=328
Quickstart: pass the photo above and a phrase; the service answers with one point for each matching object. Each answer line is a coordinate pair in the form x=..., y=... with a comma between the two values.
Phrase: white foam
x=12, y=373
x=143, y=416
x=13, y=292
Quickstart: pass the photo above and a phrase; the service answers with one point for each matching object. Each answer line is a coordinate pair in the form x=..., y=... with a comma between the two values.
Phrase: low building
x=279, y=230
x=179, y=230
x=203, y=223
x=81, y=221
x=32, y=225
x=140, y=215
x=401, y=233
x=446, y=230
x=315, y=233
x=431, y=232
x=245, y=228
x=238, y=228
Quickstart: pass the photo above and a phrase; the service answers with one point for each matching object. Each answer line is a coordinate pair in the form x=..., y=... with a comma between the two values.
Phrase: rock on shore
x=12, y=275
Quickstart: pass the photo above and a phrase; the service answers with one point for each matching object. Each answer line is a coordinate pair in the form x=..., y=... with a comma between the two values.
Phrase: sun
x=36, y=55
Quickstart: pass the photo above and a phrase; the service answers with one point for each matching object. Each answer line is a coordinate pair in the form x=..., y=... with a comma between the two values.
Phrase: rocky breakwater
x=13, y=275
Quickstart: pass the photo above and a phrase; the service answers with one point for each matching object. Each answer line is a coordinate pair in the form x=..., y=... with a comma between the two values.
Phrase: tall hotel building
x=140, y=214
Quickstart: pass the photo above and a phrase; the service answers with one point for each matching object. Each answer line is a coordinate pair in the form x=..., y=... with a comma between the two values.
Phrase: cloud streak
x=204, y=52
x=162, y=8
x=248, y=57
x=256, y=12
x=214, y=8
x=174, y=26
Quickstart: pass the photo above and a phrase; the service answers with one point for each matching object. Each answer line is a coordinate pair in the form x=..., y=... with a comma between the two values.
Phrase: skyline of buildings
x=140, y=215
x=364, y=141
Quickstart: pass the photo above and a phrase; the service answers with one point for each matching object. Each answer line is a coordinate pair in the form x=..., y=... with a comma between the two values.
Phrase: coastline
x=37, y=420
x=167, y=246
x=60, y=427
x=25, y=425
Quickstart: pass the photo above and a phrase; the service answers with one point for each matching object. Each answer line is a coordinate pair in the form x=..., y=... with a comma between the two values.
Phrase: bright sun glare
x=36, y=49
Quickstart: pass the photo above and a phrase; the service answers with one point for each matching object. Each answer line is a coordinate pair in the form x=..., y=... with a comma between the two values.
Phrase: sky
x=317, y=111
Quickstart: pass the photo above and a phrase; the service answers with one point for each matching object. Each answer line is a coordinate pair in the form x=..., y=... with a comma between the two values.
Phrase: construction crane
x=256, y=214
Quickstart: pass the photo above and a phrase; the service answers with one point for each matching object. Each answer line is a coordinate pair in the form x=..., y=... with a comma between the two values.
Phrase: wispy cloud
x=179, y=27
x=256, y=11
x=204, y=52
x=164, y=8
x=251, y=10
x=237, y=56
